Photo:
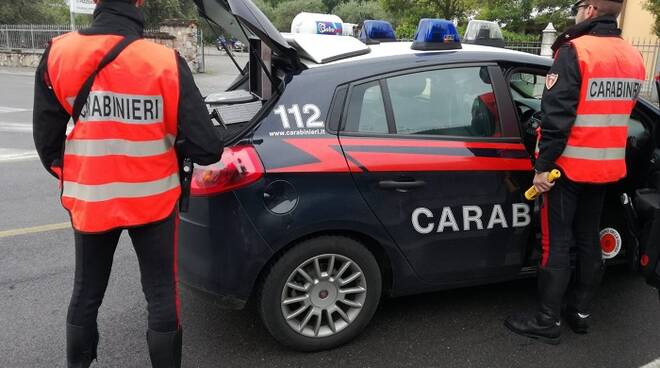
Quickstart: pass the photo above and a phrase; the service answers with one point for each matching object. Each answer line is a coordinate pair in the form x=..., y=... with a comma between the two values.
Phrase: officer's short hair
x=607, y=7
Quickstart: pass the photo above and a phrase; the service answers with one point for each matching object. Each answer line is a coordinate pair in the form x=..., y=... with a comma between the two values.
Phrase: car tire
x=339, y=312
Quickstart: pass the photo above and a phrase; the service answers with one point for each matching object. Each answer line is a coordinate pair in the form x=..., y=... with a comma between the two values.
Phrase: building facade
x=637, y=25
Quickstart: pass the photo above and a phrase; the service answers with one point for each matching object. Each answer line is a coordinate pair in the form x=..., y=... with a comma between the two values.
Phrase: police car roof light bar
x=376, y=31
x=482, y=32
x=436, y=34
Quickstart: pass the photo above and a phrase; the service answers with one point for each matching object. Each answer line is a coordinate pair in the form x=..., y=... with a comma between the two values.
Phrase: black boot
x=578, y=322
x=164, y=348
x=81, y=343
x=577, y=313
x=544, y=325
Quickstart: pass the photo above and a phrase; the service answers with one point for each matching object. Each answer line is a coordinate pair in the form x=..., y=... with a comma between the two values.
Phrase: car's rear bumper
x=220, y=251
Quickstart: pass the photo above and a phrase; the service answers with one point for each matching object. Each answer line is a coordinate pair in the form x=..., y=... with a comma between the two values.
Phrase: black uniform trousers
x=155, y=245
x=570, y=216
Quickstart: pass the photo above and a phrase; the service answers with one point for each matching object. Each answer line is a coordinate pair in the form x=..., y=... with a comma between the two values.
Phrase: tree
x=410, y=11
x=448, y=9
x=286, y=11
x=526, y=16
x=406, y=31
x=355, y=11
x=155, y=11
x=33, y=12
x=331, y=5
x=266, y=8
x=654, y=7
x=57, y=11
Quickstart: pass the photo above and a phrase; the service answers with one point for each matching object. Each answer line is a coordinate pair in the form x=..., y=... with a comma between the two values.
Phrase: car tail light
x=239, y=166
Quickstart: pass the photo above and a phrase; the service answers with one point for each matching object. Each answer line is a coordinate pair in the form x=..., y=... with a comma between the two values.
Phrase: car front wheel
x=321, y=293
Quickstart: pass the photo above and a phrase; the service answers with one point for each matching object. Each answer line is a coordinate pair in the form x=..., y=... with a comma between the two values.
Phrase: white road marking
x=34, y=229
x=9, y=127
x=653, y=364
x=10, y=154
x=21, y=127
x=7, y=109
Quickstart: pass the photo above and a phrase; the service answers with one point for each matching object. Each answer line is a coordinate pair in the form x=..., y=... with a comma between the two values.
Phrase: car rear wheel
x=321, y=293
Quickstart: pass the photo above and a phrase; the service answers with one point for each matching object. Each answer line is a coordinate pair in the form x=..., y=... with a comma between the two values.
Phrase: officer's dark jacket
x=202, y=142
x=559, y=104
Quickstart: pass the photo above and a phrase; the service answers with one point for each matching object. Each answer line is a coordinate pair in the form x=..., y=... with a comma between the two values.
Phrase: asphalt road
x=459, y=328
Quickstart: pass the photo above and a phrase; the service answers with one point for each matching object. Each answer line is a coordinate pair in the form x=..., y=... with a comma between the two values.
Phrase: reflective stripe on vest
x=104, y=192
x=587, y=153
x=594, y=121
x=112, y=147
x=612, y=73
x=602, y=120
x=120, y=167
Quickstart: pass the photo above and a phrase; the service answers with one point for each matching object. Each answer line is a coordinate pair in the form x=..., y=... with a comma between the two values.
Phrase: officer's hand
x=541, y=182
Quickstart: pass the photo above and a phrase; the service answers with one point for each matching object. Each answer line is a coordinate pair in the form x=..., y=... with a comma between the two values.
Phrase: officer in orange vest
x=589, y=94
x=118, y=167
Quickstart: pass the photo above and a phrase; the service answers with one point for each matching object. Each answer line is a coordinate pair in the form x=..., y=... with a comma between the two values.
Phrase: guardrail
x=533, y=47
x=34, y=36
x=29, y=36
x=650, y=50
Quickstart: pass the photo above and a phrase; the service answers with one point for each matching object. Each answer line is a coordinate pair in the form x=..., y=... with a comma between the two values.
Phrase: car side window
x=447, y=102
x=366, y=110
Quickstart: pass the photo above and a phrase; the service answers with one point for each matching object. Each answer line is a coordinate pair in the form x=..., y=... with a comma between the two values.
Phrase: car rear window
x=366, y=110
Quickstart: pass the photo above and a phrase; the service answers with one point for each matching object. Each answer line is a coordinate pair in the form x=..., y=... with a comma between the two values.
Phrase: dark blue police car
x=359, y=171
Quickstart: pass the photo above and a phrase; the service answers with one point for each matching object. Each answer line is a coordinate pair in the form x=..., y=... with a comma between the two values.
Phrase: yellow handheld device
x=531, y=193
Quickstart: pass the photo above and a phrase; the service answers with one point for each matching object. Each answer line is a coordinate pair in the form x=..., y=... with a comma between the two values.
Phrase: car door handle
x=401, y=185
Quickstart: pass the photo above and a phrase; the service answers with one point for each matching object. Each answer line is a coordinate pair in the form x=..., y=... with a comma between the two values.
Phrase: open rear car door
x=642, y=210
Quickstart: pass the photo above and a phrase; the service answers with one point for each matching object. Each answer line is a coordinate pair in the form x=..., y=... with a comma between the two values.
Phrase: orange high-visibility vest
x=119, y=167
x=612, y=75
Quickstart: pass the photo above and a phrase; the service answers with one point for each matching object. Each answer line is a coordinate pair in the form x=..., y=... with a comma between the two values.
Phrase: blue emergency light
x=376, y=31
x=436, y=34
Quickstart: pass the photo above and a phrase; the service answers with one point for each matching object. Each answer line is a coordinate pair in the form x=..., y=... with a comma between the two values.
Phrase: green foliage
x=461, y=29
x=285, y=11
x=526, y=16
x=410, y=11
x=356, y=11
x=522, y=20
x=34, y=12
x=405, y=31
x=330, y=5
x=265, y=8
x=520, y=37
x=211, y=31
x=156, y=11
x=654, y=7
x=57, y=11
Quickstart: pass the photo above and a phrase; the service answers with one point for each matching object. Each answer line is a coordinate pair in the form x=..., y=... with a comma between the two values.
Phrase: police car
x=357, y=170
